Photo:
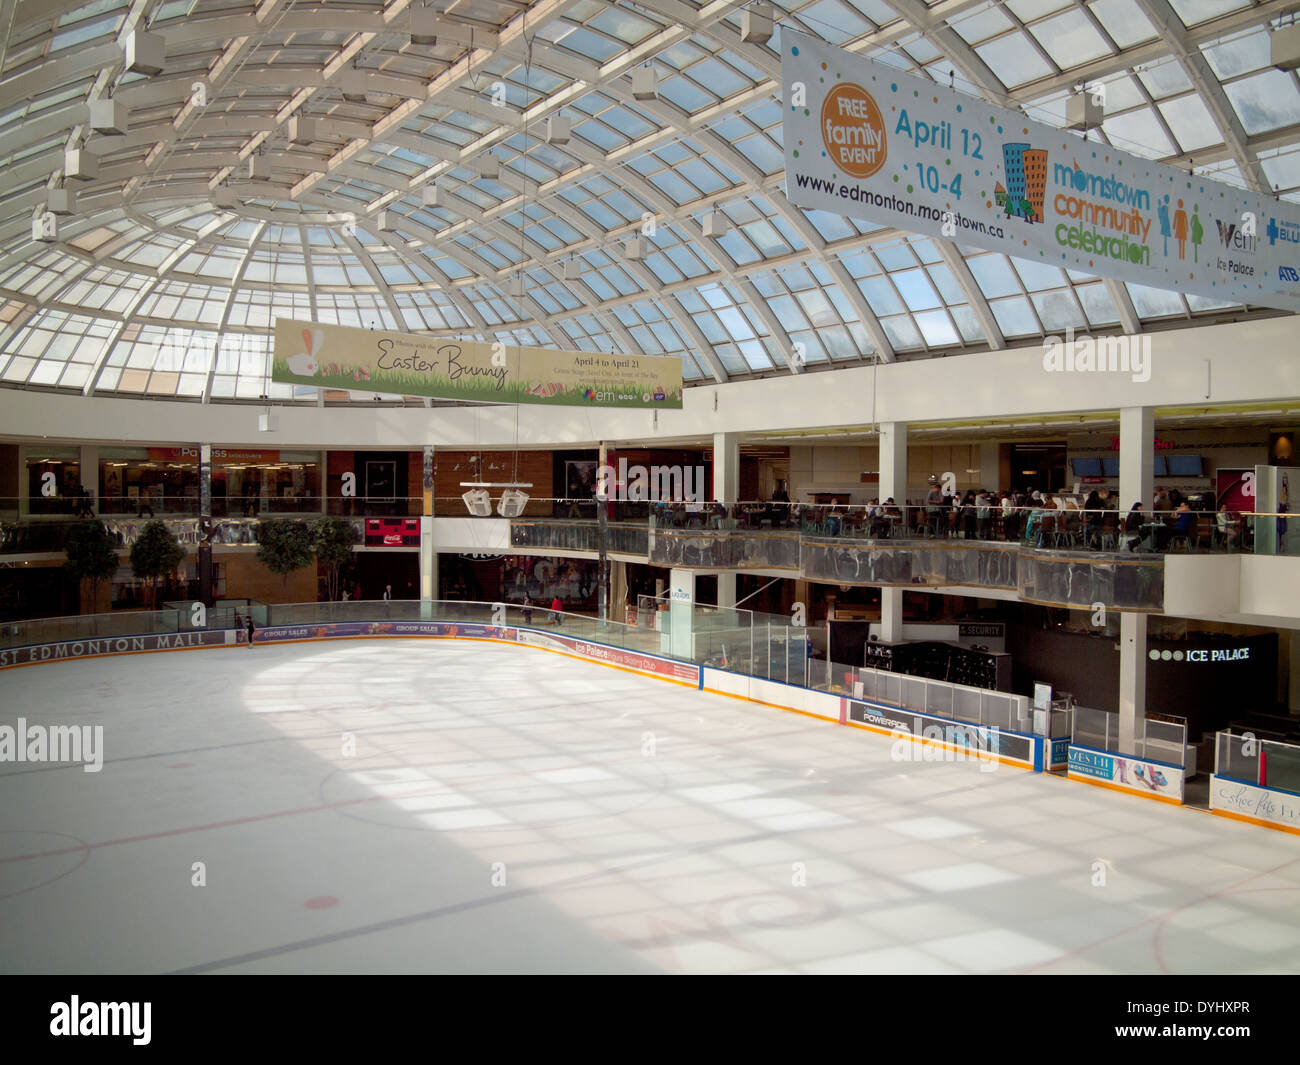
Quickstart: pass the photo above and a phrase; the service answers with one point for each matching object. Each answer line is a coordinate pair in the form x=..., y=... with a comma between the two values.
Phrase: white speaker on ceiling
x=715, y=224
x=109, y=117
x=1284, y=47
x=558, y=128
x=645, y=83
x=303, y=130
x=145, y=53
x=61, y=201
x=80, y=165
x=756, y=24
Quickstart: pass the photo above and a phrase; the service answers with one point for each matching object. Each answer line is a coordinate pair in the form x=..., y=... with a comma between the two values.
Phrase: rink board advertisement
x=1154, y=780
x=1250, y=802
x=872, y=142
x=373, y=360
x=64, y=650
x=683, y=672
x=977, y=740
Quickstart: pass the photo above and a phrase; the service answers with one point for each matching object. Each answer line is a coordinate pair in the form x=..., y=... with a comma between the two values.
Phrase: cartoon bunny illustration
x=304, y=364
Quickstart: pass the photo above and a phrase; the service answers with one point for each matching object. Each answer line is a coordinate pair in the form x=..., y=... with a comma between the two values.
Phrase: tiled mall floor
x=449, y=806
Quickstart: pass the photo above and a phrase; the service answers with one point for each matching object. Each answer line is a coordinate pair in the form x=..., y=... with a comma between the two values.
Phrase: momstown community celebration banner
x=865, y=140
x=373, y=360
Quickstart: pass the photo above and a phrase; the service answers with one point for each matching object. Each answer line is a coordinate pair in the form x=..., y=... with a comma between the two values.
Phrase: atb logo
x=1287, y=273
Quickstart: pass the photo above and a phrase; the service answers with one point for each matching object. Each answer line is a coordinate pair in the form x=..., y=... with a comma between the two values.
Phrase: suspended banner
x=372, y=360
x=863, y=139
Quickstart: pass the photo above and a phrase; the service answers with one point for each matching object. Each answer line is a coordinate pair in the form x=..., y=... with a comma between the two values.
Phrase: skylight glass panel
x=1139, y=132
x=902, y=333
x=1058, y=310
x=1155, y=302
x=1015, y=317
x=937, y=329
x=1196, y=11
x=1191, y=122
x=1013, y=59
x=967, y=324
x=1231, y=59
x=1028, y=10
x=1265, y=101
x=981, y=25
x=760, y=151
x=1097, y=304
x=1165, y=79
x=1070, y=39
x=1283, y=171
x=881, y=296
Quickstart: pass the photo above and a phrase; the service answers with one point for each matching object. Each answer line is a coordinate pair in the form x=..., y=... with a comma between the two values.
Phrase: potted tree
x=155, y=554
x=332, y=541
x=92, y=557
x=285, y=546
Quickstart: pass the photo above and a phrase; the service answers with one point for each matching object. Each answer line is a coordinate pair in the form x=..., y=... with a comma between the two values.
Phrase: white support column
x=988, y=475
x=1137, y=443
x=726, y=467
x=90, y=473
x=1136, y=473
x=726, y=489
x=1132, y=677
x=893, y=485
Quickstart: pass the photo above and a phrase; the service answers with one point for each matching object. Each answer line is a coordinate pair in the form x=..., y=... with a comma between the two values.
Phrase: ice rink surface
x=508, y=809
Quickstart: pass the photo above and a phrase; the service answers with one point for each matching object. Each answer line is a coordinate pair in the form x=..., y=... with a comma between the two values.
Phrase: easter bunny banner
x=373, y=360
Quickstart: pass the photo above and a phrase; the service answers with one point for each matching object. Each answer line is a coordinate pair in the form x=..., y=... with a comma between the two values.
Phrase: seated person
x=1184, y=523
x=1229, y=526
x=1133, y=527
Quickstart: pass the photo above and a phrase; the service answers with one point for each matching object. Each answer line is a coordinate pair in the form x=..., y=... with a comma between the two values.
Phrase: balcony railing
x=1120, y=581
x=976, y=563
x=623, y=537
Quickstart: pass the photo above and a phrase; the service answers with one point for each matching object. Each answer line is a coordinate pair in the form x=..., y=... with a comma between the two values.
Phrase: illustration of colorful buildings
x=1026, y=170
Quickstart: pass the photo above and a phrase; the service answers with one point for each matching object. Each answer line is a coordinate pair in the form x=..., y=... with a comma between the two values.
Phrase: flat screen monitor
x=1086, y=467
x=1110, y=466
x=1185, y=466
x=1162, y=466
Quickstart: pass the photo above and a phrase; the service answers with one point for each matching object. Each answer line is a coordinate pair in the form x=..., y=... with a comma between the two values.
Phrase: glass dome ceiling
x=153, y=289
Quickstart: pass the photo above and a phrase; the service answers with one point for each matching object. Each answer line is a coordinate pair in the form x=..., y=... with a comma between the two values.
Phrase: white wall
x=1246, y=362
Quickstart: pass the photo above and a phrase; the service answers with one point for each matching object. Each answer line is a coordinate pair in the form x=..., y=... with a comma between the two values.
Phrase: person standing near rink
x=250, y=628
x=557, y=609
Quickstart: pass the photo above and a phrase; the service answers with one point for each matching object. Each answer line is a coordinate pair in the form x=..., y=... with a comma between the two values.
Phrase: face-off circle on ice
x=475, y=807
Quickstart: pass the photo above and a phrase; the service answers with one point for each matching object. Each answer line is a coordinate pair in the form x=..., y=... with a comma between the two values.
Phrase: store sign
x=219, y=454
x=1203, y=655
x=1160, y=445
x=392, y=532
x=336, y=356
x=863, y=139
x=991, y=629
